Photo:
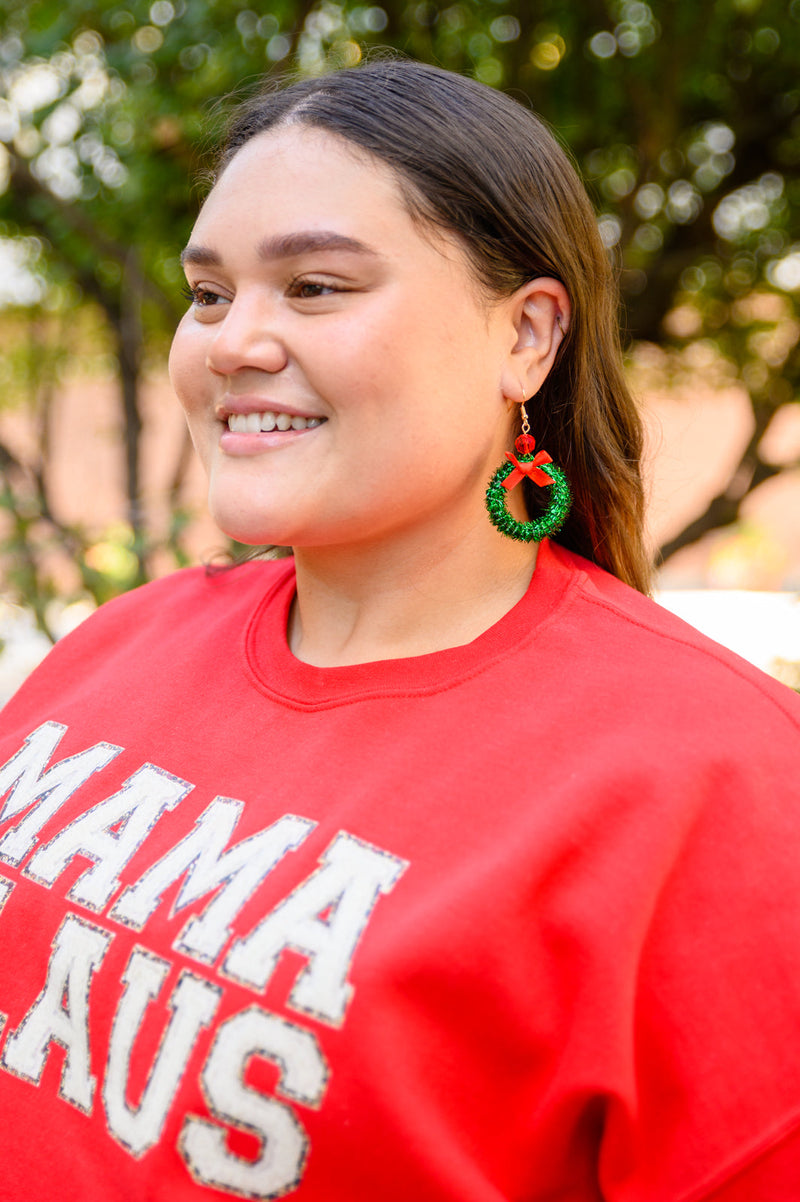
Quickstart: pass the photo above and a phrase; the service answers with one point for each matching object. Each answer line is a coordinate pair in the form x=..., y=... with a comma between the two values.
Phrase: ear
x=540, y=311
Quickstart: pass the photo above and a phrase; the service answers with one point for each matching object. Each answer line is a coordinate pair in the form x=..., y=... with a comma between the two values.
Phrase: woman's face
x=340, y=369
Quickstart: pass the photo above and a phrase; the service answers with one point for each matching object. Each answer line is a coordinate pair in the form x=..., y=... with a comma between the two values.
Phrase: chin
x=273, y=527
x=251, y=530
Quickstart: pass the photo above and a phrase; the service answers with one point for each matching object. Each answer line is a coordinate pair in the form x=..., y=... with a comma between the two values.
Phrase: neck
x=400, y=599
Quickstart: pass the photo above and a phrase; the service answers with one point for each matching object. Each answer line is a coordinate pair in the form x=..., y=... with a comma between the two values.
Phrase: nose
x=247, y=337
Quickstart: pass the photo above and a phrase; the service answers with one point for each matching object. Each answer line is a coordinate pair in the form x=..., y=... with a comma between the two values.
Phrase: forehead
x=310, y=175
x=299, y=180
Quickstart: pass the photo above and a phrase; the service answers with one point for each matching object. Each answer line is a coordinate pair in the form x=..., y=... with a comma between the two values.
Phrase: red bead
x=525, y=444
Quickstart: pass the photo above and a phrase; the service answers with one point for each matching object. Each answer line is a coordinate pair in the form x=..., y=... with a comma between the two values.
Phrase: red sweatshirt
x=518, y=920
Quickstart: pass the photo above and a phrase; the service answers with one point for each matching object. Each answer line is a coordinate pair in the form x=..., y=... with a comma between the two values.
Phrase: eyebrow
x=284, y=246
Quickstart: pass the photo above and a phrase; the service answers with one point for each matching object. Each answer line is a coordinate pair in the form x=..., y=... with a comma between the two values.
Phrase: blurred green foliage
x=684, y=118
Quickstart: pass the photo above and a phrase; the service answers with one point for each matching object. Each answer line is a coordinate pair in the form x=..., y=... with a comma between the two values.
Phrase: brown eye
x=303, y=289
x=202, y=297
x=310, y=290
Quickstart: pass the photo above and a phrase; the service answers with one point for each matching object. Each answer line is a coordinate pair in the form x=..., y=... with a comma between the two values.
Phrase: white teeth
x=254, y=423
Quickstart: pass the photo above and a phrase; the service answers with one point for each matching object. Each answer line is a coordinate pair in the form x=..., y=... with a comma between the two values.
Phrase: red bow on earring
x=525, y=445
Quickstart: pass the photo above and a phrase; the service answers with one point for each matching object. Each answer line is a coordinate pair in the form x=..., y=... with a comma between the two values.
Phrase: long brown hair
x=476, y=163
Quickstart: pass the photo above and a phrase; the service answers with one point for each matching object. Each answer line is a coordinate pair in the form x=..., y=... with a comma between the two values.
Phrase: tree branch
x=25, y=184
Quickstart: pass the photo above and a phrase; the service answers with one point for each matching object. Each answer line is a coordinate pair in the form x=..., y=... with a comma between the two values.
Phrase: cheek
x=186, y=361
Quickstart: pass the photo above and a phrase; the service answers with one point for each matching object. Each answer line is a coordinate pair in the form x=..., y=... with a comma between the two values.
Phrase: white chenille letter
x=193, y=1004
x=5, y=893
x=303, y=1076
x=202, y=857
x=61, y=1014
x=110, y=833
x=344, y=889
x=46, y=790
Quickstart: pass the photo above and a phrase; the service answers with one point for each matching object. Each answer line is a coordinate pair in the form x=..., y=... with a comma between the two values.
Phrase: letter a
x=110, y=833
x=344, y=889
x=61, y=1014
x=5, y=893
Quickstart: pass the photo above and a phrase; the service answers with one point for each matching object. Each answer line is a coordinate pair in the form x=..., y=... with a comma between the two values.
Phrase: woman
x=434, y=862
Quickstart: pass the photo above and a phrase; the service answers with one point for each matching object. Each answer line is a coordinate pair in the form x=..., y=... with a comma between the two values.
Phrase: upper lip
x=255, y=404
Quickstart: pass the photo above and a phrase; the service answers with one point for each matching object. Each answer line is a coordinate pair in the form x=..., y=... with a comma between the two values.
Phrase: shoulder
x=637, y=645
x=202, y=585
x=182, y=618
x=189, y=597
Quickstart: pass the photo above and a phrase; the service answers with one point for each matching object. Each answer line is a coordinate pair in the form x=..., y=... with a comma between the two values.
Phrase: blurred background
x=684, y=119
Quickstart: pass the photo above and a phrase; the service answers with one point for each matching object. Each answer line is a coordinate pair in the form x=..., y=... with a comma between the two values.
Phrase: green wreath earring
x=542, y=471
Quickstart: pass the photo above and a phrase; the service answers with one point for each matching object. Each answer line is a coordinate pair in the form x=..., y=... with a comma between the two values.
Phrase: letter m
x=30, y=785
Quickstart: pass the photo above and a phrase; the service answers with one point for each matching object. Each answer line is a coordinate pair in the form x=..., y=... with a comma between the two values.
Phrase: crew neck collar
x=278, y=673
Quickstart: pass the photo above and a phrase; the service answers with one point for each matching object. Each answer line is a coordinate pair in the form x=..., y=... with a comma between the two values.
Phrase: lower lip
x=240, y=445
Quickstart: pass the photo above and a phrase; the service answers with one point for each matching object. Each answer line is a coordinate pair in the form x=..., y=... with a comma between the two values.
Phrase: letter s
x=303, y=1076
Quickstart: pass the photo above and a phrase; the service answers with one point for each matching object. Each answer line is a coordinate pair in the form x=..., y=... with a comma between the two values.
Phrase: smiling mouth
x=255, y=423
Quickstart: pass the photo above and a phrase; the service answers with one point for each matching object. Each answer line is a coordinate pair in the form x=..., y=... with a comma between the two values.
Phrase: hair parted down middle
x=479, y=165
